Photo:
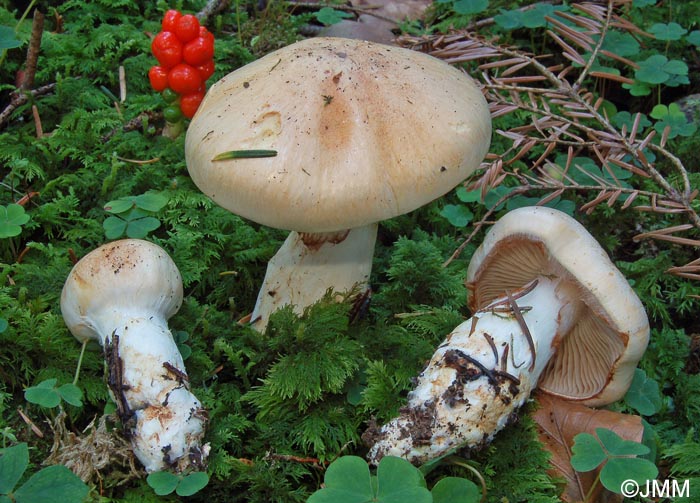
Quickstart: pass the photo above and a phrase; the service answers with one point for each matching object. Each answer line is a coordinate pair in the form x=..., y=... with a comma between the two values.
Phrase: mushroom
x=121, y=295
x=354, y=133
x=550, y=310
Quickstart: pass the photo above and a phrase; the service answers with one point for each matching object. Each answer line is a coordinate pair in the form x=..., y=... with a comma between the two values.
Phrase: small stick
x=512, y=355
x=122, y=84
x=31, y=424
x=489, y=339
x=33, y=52
x=523, y=326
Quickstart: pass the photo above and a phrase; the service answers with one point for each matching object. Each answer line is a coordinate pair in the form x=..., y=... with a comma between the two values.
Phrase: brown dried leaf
x=560, y=421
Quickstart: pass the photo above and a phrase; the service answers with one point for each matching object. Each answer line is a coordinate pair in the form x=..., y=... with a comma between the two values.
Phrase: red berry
x=187, y=28
x=167, y=49
x=158, y=77
x=206, y=70
x=189, y=103
x=184, y=79
x=198, y=51
x=170, y=20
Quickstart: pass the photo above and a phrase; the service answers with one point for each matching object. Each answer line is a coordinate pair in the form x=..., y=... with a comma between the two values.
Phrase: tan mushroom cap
x=362, y=131
x=128, y=274
x=595, y=362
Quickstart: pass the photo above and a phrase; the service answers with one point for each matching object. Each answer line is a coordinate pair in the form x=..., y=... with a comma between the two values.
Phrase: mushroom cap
x=126, y=275
x=362, y=132
x=594, y=363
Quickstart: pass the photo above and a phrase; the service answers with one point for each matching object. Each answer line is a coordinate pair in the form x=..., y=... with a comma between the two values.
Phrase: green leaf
x=618, y=446
x=670, y=31
x=673, y=117
x=53, y=483
x=643, y=3
x=456, y=490
x=693, y=38
x=153, y=202
x=617, y=470
x=328, y=16
x=457, y=215
x=44, y=394
x=643, y=394
x=12, y=217
x=620, y=43
x=588, y=454
x=71, y=394
x=139, y=229
x=119, y=205
x=13, y=461
x=399, y=481
x=163, y=482
x=469, y=196
x=657, y=69
x=347, y=480
x=8, y=39
x=468, y=7
x=3, y=325
x=509, y=19
x=114, y=227
x=192, y=483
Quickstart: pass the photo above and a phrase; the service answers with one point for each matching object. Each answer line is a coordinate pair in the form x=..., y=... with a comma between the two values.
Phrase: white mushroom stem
x=308, y=265
x=482, y=372
x=165, y=421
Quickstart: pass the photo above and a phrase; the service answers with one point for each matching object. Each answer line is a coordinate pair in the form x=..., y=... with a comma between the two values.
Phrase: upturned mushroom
x=121, y=295
x=352, y=133
x=550, y=310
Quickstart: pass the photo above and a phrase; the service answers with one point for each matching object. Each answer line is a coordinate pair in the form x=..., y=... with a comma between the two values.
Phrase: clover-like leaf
x=617, y=470
x=643, y=394
x=192, y=483
x=615, y=445
x=119, y=206
x=43, y=394
x=588, y=454
x=620, y=43
x=673, y=117
x=141, y=227
x=13, y=461
x=455, y=490
x=329, y=16
x=643, y=3
x=150, y=201
x=693, y=38
x=12, y=218
x=347, y=480
x=670, y=31
x=53, y=483
x=468, y=7
x=8, y=39
x=457, y=215
x=3, y=325
x=509, y=19
x=71, y=394
x=114, y=227
x=163, y=482
x=658, y=69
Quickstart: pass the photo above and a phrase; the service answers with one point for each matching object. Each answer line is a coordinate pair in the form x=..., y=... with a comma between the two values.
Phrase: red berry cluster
x=185, y=52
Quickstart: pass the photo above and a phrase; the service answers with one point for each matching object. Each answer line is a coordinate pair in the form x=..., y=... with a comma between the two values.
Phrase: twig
x=20, y=99
x=210, y=9
x=33, y=52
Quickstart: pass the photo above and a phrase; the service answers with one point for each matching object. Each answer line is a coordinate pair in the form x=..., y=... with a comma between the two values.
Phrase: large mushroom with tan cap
x=122, y=295
x=327, y=137
x=550, y=310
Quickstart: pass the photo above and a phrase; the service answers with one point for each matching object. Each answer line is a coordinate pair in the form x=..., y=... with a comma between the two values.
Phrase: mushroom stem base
x=165, y=422
x=478, y=377
x=308, y=265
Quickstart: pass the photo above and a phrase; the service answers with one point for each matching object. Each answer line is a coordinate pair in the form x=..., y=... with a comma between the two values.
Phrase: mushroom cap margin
x=541, y=240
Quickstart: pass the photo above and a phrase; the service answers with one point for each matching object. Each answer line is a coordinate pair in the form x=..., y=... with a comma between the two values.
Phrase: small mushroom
x=550, y=310
x=354, y=133
x=121, y=295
